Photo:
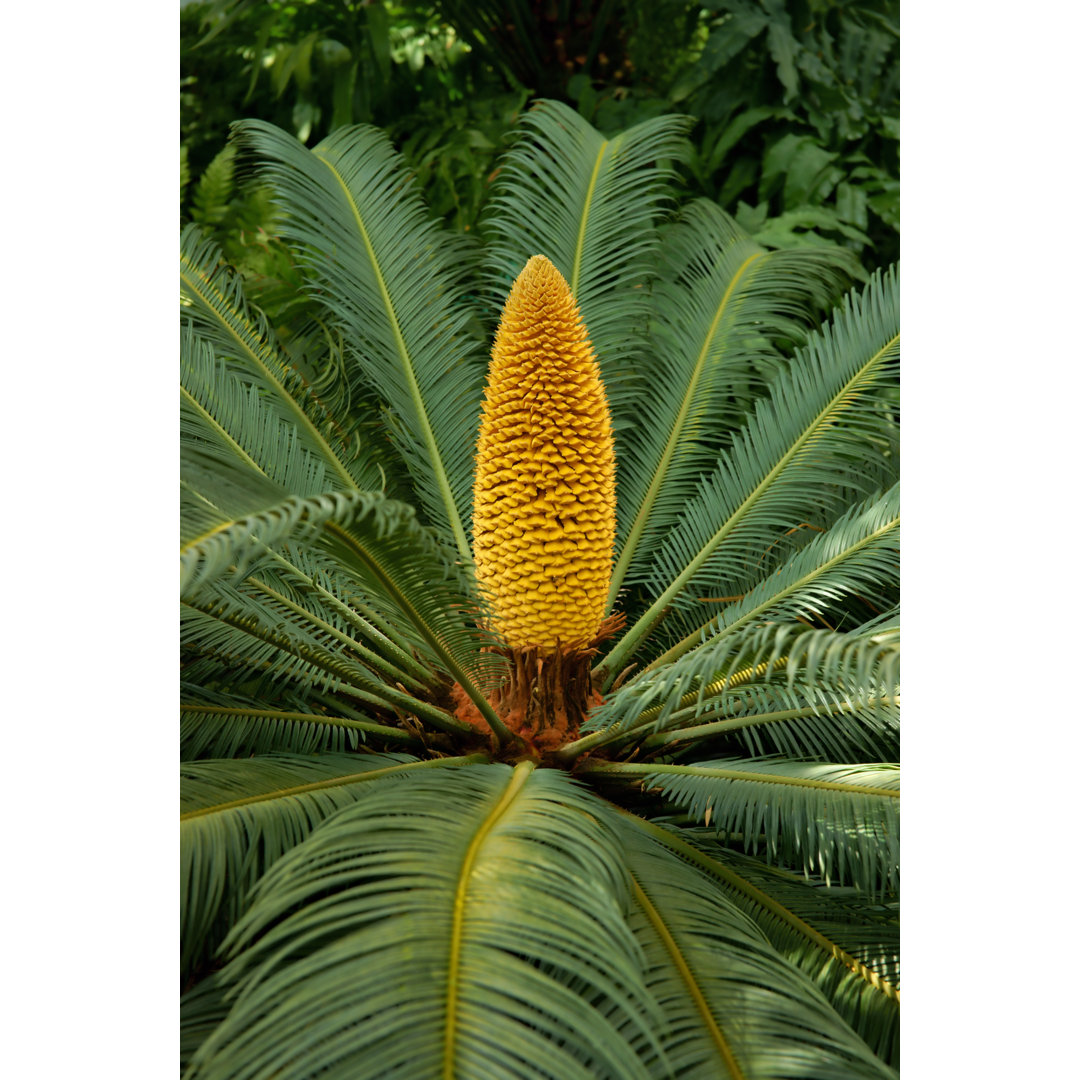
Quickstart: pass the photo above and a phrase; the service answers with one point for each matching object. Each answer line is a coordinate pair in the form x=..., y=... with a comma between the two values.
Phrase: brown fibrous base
x=546, y=696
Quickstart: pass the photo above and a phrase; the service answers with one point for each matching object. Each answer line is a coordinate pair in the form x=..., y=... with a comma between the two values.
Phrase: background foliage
x=796, y=102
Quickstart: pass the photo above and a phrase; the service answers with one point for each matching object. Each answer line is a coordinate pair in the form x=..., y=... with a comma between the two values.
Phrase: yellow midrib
x=641, y=520
x=709, y=772
x=427, y=432
x=579, y=248
x=517, y=782
x=303, y=418
x=322, y=785
x=692, y=985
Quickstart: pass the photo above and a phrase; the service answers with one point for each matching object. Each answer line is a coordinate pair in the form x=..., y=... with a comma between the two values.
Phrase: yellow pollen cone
x=544, y=499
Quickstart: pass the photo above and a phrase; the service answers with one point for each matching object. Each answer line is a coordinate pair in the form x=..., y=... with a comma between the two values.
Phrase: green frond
x=858, y=556
x=801, y=459
x=239, y=817
x=821, y=694
x=865, y=928
x=202, y=1008
x=215, y=724
x=214, y=190
x=316, y=581
x=801, y=721
x=473, y=918
x=808, y=692
x=848, y=946
x=734, y=1007
x=721, y=308
x=232, y=641
x=382, y=271
x=236, y=422
x=591, y=205
x=402, y=566
x=245, y=378
x=248, y=630
x=840, y=821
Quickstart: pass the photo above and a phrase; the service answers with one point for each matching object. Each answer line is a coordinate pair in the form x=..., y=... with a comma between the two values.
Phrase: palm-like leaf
x=238, y=817
x=219, y=725
x=401, y=565
x=592, y=206
x=720, y=308
x=849, y=950
x=392, y=885
x=794, y=463
x=237, y=384
x=841, y=821
x=476, y=905
x=808, y=691
x=394, y=291
x=734, y=1008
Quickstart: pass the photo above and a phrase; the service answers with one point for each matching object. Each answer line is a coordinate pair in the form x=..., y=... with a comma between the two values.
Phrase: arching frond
x=841, y=821
x=251, y=631
x=734, y=1007
x=317, y=587
x=799, y=461
x=238, y=817
x=858, y=555
x=214, y=724
x=866, y=928
x=472, y=918
x=802, y=721
x=818, y=694
x=720, y=308
x=591, y=205
x=390, y=285
x=202, y=1008
x=401, y=565
x=814, y=692
x=848, y=946
x=242, y=387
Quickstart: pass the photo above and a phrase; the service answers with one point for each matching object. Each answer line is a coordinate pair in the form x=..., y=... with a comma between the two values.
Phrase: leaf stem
x=335, y=781
x=517, y=781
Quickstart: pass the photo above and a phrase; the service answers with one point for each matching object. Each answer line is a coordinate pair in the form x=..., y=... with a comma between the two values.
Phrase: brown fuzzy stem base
x=547, y=694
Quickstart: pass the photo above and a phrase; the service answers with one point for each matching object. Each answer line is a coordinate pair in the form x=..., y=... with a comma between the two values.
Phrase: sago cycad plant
x=542, y=726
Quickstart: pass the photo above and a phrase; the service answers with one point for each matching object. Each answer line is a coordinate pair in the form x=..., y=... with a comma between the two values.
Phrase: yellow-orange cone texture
x=544, y=513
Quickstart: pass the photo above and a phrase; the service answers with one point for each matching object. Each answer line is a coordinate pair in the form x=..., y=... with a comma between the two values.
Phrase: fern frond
x=840, y=821
x=734, y=1007
x=473, y=919
x=378, y=265
x=722, y=306
x=591, y=205
x=214, y=190
x=794, y=463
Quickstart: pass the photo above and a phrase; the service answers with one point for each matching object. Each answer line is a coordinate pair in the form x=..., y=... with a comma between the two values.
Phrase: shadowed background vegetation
x=795, y=102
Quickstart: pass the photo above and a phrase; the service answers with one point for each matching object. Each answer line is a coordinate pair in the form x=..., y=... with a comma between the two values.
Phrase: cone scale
x=544, y=503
